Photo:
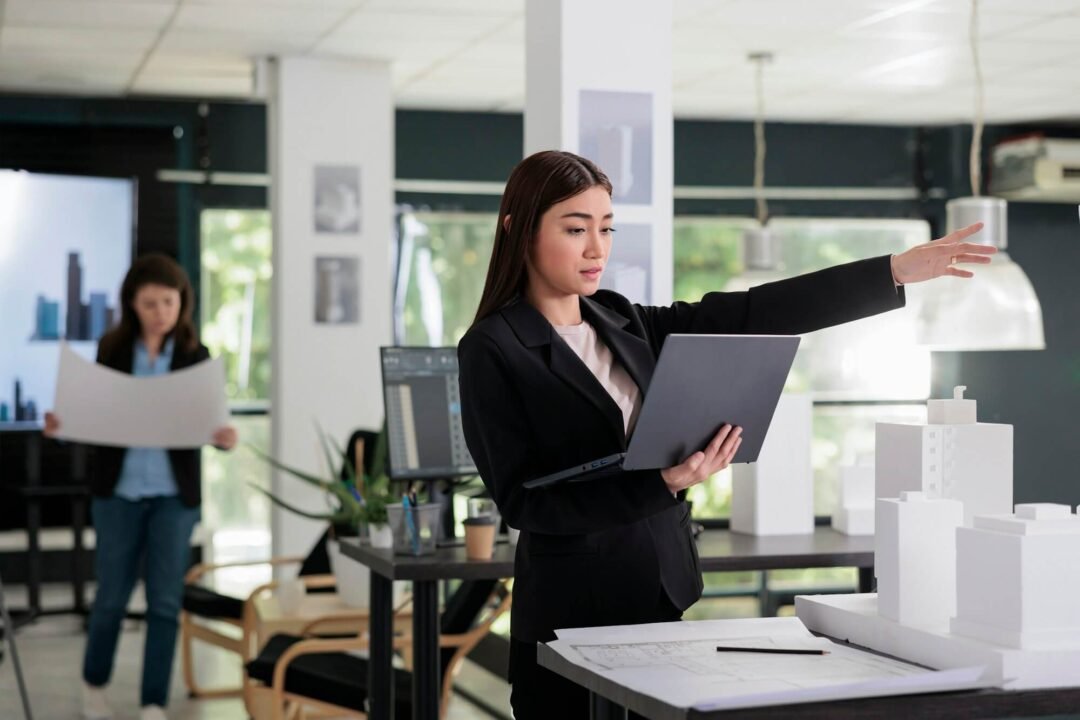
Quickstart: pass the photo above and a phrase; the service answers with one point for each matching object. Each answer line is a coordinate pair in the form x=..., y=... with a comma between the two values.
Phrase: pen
x=410, y=524
x=772, y=651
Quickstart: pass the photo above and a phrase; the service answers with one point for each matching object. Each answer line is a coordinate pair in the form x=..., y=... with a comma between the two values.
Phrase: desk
x=610, y=701
x=720, y=551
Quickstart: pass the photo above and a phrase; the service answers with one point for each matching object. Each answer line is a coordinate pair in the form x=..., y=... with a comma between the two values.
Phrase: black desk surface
x=720, y=551
x=935, y=706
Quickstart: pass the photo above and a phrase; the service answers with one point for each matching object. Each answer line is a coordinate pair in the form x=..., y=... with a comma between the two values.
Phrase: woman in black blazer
x=616, y=550
x=146, y=500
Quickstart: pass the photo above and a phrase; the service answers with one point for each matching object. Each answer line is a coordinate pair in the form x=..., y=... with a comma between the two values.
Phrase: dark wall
x=1038, y=393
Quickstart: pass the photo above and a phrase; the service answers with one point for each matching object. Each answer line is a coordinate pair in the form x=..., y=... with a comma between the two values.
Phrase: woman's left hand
x=225, y=438
x=939, y=257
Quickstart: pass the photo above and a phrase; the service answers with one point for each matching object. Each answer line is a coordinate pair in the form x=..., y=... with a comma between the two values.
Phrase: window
x=235, y=325
x=442, y=264
x=853, y=371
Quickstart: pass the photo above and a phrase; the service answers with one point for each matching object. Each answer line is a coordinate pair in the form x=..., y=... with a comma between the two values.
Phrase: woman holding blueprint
x=146, y=500
x=553, y=372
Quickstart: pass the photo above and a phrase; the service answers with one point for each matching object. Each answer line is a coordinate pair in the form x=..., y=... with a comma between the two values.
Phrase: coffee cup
x=480, y=537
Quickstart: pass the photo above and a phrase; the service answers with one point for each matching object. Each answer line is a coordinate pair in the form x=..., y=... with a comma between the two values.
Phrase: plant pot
x=353, y=579
x=381, y=535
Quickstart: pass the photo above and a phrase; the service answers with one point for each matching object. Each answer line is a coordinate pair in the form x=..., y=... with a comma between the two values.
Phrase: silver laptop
x=700, y=383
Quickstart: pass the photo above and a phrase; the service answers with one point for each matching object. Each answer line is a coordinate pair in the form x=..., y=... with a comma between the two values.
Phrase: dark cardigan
x=109, y=461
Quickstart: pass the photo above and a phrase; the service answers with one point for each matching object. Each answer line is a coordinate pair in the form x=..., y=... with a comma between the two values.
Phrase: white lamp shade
x=995, y=310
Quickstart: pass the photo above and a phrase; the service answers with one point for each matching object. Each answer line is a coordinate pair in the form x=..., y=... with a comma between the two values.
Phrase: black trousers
x=536, y=693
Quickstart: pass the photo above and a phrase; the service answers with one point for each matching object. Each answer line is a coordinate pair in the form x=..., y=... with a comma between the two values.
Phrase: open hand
x=715, y=457
x=52, y=424
x=939, y=257
x=225, y=438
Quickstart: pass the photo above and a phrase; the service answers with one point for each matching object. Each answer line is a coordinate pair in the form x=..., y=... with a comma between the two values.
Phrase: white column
x=598, y=83
x=331, y=160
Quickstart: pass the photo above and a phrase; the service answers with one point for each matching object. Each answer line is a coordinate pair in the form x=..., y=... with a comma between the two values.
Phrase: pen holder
x=415, y=529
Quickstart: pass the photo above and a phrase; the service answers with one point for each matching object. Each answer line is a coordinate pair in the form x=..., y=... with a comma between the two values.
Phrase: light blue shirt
x=146, y=471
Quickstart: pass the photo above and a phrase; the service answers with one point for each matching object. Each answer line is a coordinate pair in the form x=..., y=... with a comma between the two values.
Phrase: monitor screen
x=423, y=413
x=65, y=245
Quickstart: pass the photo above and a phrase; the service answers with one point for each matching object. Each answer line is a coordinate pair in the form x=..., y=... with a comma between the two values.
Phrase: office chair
x=322, y=673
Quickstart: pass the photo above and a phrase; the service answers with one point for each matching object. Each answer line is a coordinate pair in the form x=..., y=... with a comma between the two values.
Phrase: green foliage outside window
x=235, y=302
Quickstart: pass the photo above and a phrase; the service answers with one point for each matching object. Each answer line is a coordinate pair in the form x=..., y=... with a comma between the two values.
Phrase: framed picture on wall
x=629, y=268
x=615, y=131
x=337, y=290
x=337, y=205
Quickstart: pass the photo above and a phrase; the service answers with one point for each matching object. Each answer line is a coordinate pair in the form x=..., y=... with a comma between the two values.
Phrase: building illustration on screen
x=83, y=321
x=23, y=411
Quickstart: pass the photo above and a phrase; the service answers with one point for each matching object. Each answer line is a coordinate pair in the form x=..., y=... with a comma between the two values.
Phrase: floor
x=51, y=653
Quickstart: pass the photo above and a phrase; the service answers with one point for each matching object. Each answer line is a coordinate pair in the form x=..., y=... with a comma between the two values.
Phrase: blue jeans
x=159, y=530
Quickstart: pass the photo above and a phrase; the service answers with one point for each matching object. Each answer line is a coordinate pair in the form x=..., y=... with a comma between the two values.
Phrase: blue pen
x=356, y=494
x=410, y=524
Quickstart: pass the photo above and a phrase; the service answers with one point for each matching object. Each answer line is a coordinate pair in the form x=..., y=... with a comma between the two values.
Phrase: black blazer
x=601, y=552
x=109, y=461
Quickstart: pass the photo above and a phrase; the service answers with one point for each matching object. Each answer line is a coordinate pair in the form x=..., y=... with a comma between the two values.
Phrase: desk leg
x=866, y=579
x=380, y=665
x=601, y=708
x=426, y=679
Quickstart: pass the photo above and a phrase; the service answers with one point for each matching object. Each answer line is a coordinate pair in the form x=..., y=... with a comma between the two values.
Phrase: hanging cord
x=976, y=137
x=759, y=59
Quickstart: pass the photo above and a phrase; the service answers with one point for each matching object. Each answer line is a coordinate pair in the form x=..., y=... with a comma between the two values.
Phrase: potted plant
x=357, y=506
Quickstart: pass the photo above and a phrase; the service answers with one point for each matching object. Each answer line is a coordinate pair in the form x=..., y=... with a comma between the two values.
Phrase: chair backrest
x=463, y=609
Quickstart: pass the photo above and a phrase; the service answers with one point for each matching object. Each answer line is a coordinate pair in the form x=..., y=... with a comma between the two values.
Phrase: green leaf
x=299, y=474
x=349, y=466
x=329, y=517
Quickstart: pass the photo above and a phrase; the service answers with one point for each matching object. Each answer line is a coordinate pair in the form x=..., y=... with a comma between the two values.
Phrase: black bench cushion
x=204, y=602
x=334, y=677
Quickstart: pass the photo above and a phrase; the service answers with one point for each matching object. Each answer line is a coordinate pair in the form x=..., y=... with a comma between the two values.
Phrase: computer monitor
x=423, y=413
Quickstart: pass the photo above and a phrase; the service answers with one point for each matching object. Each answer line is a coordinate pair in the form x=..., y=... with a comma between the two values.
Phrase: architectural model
x=953, y=456
x=915, y=559
x=855, y=512
x=1018, y=578
x=775, y=495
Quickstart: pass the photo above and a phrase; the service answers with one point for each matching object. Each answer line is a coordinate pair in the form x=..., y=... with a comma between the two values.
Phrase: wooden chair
x=320, y=673
x=201, y=604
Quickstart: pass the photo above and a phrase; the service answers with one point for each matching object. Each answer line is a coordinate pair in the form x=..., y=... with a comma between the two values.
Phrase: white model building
x=1018, y=578
x=855, y=512
x=953, y=456
x=915, y=559
x=775, y=495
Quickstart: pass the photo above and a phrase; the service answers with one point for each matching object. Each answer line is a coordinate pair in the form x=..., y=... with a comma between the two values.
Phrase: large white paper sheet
x=101, y=406
x=678, y=664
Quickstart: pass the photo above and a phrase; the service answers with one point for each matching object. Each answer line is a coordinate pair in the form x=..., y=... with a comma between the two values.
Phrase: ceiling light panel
x=86, y=14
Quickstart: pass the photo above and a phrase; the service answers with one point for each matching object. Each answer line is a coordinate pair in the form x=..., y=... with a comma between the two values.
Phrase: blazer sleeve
x=498, y=435
x=793, y=306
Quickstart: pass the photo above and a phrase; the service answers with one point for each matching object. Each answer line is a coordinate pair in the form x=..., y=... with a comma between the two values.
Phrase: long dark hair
x=539, y=181
x=153, y=269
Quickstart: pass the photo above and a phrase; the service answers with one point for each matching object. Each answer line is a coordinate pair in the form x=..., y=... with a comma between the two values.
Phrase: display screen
x=65, y=244
x=423, y=413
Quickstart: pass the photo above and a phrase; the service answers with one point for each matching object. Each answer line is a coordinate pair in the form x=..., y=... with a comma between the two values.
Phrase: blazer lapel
x=630, y=350
x=535, y=331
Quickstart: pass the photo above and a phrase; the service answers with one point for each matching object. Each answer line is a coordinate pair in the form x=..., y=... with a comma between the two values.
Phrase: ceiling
x=870, y=61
